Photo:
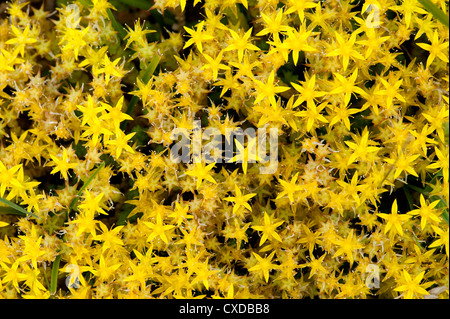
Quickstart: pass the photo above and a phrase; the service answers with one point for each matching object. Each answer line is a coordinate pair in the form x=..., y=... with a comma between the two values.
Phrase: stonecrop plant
x=94, y=204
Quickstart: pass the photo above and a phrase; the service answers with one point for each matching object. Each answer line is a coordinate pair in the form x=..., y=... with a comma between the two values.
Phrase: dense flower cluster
x=358, y=91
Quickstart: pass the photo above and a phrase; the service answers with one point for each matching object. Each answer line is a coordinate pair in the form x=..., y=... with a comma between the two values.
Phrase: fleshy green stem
x=54, y=280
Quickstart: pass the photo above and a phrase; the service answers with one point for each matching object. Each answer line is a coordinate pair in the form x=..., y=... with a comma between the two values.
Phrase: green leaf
x=117, y=26
x=141, y=137
x=9, y=211
x=54, y=280
x=435, y=11
x=445, y=216
x=446, y=128
x=13, y=207
x=417, y=189
x=151, y=68
x=409, y=198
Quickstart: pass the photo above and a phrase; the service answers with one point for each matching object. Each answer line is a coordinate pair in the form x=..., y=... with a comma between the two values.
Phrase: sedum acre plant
x=96, y=203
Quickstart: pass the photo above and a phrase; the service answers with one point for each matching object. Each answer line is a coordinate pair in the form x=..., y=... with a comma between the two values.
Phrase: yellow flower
x=308, y=92
x=32, y=247
x=273, y=24
x=237, y=231
x=158, y=229
x=22, y=39
x=239, y=200
x=246, y=155
x=348, y=246
x=296, y=41
x=316, y=266
x=115, y=114
x=90, y=110
x=202, y=273
x=13, y=275
x=85, y=221
x=20, y=185
x=361, y=149
x=289, y=188
x=198, y=36
x=342, y=114
x=264, y=265
x=201, y=172
x=240, y=43
x=92, y=204
x=299, y=6
x=268, y=89
x=426, y=212
x=312, y=114
x=74, y=40
x=137, y=35
x=347, y=86
x=93, y=57
x=443, y=238
x=268, y=229
x=409, y=9
x=403, y=163
x=100, y=7
x=312, y=238
x=61, y=164
x=109, y=68
x=412, y=287
x=441, y=163
x=394, y=220
x=345, y=49
x=391, y=91
x=120, y=143
x=214, y=64
x=109, y=238
x=180, y=213
x=106, y=268
x=6, y=176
